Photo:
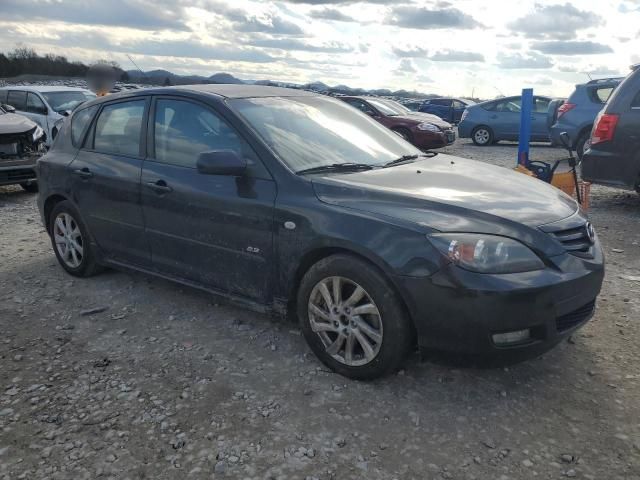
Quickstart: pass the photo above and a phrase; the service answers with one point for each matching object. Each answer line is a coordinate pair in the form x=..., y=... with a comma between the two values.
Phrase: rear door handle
x=159, y=186
x=83, y=172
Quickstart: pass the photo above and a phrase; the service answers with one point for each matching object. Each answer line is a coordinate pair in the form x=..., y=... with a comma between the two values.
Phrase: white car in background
x=45, y=105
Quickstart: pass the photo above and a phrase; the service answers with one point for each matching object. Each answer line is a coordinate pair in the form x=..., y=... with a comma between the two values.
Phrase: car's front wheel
x=70, y=241
x=352, y=319
x=482, y=136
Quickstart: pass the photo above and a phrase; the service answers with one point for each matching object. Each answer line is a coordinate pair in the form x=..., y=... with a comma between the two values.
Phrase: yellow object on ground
x=525, y=170
x=565, y=182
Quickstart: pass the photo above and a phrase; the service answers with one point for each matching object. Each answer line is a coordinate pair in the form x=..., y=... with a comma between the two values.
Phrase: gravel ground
x=124, y=376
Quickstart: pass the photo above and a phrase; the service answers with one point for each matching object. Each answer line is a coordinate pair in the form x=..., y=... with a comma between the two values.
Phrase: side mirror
x=9, y=108
x=65, y=113
x=221, y=162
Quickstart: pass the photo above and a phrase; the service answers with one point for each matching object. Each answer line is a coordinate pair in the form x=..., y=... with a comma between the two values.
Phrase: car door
x=18, y=100
x=36, y=110
x=504, y=119
x=539, y=126
x=215, y=230
x=106, y=180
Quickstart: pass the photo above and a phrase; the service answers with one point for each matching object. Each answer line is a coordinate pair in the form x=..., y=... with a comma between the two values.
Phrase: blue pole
x=526, y=113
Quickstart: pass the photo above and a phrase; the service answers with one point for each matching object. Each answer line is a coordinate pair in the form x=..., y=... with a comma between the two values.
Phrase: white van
x=45, y=105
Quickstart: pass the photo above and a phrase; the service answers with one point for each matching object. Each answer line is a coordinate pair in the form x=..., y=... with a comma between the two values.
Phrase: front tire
x=352, y=319
x=482, y=136
x=71, y=242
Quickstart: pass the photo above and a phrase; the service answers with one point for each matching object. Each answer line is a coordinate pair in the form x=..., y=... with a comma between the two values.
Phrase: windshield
x=63, y=101
x=397, y=106
x=385, y=106
x=309, y=132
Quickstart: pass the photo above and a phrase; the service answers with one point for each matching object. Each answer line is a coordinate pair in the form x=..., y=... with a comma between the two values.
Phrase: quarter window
x=185, y=129
x=119, y=127
x=35, y=105
x=602, y=94
x=17, y=100
x=79, y=123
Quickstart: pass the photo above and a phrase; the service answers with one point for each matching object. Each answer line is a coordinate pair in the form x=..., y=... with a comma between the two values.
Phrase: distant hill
x=164, y=77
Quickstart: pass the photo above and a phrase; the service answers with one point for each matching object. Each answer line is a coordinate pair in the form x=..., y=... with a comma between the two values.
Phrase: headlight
x=37, y=134
x=486, y=253
x=430, y=127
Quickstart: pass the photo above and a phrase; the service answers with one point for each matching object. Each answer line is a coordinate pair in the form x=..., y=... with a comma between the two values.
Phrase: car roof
x=44, y=88
x=244, y=91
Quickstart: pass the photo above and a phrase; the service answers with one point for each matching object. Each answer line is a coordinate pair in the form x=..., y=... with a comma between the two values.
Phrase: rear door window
x=3, y=97
x=540, y=105
x=18, y=100
x=119, y=128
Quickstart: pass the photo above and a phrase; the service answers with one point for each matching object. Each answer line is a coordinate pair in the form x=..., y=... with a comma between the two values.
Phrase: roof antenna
x=588, y=75
x=134, y=63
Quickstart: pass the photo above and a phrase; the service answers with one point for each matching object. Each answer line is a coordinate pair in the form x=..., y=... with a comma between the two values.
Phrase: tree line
x=25, y=60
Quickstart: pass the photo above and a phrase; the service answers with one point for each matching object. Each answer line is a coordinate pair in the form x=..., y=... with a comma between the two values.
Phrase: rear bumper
x=611, y=168
x=457, y=311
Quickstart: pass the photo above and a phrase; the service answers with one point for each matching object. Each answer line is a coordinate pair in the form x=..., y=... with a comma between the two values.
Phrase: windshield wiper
x=337, y=167
x=408, y=159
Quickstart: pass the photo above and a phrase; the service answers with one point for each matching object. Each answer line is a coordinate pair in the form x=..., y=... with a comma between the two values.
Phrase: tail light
x=604, y=128
x=464, y=114
x=565, y=107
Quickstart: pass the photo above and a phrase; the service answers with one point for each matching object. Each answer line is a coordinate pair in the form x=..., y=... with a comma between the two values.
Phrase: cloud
x=409, y=52
x=602, y=70
x=332, y=14
x=559, y=22
x=558, y=47
x=516, y=60
x=293, y=44
x=542, y=80
x=273, y=24
x=406, y=66
x=430, y=19
x=335, y=2
x=138, y=14
x=456, y=56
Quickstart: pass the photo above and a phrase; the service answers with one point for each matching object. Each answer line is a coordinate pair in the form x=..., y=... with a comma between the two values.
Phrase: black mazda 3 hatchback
x=289, y=201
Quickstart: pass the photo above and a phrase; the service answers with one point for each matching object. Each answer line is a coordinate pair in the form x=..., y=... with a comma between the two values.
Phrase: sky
x=459, y=48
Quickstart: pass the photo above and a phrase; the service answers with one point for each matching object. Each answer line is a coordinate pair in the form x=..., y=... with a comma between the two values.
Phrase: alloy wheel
x=482, y=136
x=347, y=320
x=68, y=240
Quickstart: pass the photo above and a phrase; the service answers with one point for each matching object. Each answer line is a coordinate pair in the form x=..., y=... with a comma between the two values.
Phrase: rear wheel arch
x=404, y=131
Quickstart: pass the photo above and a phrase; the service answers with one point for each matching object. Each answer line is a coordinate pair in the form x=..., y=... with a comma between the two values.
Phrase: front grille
x=16, y=176
x=570, y=320
x=574, y=239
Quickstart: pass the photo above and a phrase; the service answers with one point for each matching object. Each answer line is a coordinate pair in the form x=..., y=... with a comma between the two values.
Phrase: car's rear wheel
x=482, y=136
x=70, y=241
x=352, y=319
x=31, y=187
x=582, y=144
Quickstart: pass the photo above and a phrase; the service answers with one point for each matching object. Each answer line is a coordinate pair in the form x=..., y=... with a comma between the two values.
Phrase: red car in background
x=424, y=130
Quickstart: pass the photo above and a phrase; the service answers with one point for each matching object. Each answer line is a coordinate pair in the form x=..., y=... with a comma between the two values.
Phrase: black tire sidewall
x=482, y=127
x=397, y=332
x=87, y=265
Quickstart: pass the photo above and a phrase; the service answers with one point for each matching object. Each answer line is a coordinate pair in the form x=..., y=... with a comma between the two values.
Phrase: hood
x=12, y=124
x=449, y=193
x=426, y=117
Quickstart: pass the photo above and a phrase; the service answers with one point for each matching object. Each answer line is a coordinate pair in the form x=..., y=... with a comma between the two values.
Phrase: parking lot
x=125, y=376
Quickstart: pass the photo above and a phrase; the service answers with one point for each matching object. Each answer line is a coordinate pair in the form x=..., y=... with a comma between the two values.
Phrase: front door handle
x=83, y=173
x=159, y=186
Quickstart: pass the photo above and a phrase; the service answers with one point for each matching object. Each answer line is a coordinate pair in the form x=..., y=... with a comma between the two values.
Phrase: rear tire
x=71, y=242
x=31, y=187
x=358, y=327
x=482, y=136
x=582, y=143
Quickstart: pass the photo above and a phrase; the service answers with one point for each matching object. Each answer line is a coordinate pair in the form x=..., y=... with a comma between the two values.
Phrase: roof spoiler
x=635, y=67
x=605, y=80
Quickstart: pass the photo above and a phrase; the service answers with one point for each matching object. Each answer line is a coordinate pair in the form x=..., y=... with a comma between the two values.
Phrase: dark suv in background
x=613, y=157
x=448, y=109
x=576, y=115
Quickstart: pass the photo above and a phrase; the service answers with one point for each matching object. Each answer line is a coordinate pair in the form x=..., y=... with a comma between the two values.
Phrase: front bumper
x=14, y=171
x=458, y=311
x=426, y=140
